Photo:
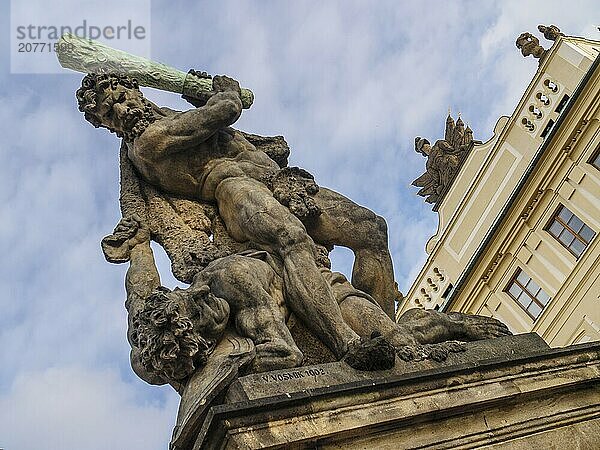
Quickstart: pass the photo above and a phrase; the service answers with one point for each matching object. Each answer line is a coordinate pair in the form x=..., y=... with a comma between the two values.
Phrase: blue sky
x=348, y=83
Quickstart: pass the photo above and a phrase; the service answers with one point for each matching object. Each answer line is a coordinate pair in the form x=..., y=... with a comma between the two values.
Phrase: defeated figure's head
x=115, y=102
x=177, y=330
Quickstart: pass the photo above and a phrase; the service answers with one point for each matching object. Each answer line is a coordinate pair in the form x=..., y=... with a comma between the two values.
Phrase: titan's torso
x=196, y=172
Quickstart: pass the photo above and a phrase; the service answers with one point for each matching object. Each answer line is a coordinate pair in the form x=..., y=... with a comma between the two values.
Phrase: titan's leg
x=251, y=213
x=343, y=222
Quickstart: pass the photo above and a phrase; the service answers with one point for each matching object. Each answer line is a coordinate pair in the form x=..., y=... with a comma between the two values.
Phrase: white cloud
x=77, y=408
x=512, y=72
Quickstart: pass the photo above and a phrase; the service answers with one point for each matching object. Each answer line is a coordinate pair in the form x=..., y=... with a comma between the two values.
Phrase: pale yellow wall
x=562, y=177
x=573, y=315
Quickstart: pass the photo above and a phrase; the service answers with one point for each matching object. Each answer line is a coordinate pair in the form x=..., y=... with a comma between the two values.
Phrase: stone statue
x=444, y=160
x=251, y=238
x=172, y=333
x=550, y=32
x=530, y=45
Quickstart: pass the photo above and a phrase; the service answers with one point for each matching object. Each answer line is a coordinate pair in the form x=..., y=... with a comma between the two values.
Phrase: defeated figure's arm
x=130, y=241
x=142, y=278
x=186, y=130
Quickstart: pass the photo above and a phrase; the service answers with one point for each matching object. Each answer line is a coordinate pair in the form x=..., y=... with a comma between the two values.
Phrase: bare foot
x=276, y=354
x=400, y=336
x=374, y=353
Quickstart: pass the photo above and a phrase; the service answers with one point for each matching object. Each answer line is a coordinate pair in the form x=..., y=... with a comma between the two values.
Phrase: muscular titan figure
x=195, y=154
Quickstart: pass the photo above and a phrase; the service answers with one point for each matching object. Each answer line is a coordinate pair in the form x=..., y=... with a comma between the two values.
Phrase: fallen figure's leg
x=254, y=293
x=430, y=327
x=419, y=333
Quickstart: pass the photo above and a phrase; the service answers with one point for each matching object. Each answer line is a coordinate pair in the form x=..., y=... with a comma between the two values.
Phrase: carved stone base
x=511, y=392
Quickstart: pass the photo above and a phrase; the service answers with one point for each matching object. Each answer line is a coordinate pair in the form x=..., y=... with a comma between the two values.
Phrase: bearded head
x=115, y=102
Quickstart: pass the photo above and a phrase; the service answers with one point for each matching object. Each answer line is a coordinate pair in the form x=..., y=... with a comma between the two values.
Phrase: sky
x=348, y=83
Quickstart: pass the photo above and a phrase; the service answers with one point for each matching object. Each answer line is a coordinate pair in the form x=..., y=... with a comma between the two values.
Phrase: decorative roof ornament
x=550, y=32
x=530, y=45
x=444, y=160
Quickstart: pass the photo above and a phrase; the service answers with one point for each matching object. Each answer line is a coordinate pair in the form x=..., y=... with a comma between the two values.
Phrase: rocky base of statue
x=512, y=392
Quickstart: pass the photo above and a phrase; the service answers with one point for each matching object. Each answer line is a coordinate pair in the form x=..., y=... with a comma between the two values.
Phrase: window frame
x=555, y=218
x=534, y=299
x=595, y=159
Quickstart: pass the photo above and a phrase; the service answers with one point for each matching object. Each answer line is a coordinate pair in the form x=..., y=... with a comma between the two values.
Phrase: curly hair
x=168, y=343
x=93, y=85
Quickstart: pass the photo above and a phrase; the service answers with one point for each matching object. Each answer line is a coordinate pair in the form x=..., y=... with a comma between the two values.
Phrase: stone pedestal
x=512, y=392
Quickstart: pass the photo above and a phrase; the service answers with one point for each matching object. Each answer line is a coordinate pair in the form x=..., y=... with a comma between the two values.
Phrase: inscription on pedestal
x=293, y=375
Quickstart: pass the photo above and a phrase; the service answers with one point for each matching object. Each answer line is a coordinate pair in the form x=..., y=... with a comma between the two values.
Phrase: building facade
x=519, y=217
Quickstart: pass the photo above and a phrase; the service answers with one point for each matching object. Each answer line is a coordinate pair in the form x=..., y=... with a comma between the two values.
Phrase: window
x=547, y=128
x=447, y=291
x=595, y=161
x=562, y=104
x=527, y=294
x=570, y=231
